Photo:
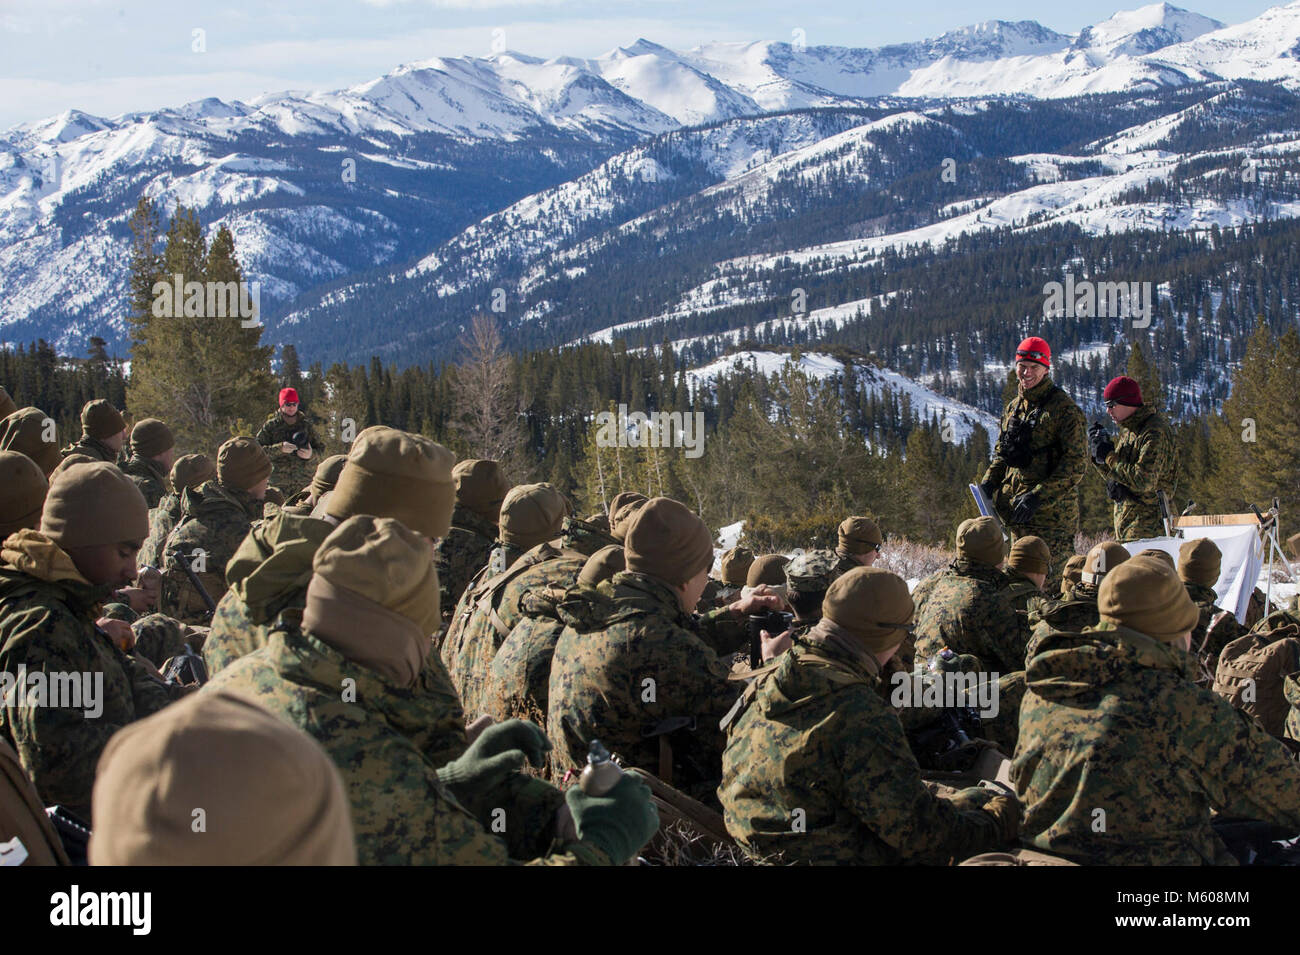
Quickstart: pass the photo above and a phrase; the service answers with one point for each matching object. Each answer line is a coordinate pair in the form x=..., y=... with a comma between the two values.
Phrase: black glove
x=1117, y=492
x=1024, y=507
x=1099, y=443
x=989, y=489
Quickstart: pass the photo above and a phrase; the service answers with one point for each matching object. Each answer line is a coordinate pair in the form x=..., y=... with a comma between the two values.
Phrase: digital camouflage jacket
x=382, y=739
x=1122, y=758
x=817, y=769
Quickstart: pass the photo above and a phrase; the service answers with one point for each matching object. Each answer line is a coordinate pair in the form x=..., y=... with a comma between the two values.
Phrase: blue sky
x=121, y=55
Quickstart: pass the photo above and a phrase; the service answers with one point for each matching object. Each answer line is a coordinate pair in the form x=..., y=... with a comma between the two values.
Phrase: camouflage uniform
x=599, y=691
x=1111, y=722
x=461, y=554
x=1057, y=458
x=1046, y=615
x=382, y=741
x=268, y=578
x=921, y=593
x=518, y=683
x=162, y=521
x=814, y=738
x=289, y=472
x=1215, y=629
x=1144, y=461
x=148, y=475
x=91, y=448
x=214, y=519
x=47, y=625
x=1018, y=589
x=482, y=621
x=968, y=612
x=490, y=608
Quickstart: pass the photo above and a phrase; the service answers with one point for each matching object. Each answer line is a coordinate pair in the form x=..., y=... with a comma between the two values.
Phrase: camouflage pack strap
x=747, y=695
x=837, y=671
x=483, y=597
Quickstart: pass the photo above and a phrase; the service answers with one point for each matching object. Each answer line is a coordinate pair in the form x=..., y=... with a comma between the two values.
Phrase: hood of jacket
x=273, y=565
x=28, y=558
x=1071, y=665
x=212, y=498
x=808, y=672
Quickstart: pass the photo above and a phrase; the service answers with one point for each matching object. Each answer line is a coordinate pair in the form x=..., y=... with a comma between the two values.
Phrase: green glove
x=1006, y=812
x=498, y=753
x=618, y=823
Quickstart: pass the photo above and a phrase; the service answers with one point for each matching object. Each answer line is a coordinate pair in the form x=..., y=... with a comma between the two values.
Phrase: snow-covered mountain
x=453, y=168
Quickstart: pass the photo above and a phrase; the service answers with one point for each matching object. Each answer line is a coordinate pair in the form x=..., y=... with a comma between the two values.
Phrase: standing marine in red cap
x=1143, y=462
x=1039, y=458
x=290, y=441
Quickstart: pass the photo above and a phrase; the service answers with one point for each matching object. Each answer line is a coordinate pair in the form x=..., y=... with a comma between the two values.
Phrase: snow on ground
x=926, y=403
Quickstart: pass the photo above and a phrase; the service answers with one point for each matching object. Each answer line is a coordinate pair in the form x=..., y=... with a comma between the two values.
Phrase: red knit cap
x=1123, y=391
x=288, y=396
x=1035, y=349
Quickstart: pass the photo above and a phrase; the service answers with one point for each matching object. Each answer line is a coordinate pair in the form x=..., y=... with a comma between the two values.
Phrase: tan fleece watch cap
x=94, y=504
x=242, y=463
x=859, y=535
x=265, y=792
x=621, y=509
x=101, y=420
x=327, y=474
x=735, y=565
x=667, y=540
x=151, y=437
x=385, y=562
x=191, y=470
x=767, y=569
x=602, y=565
x=1030, y=555
x=391, y=473
x=532, y=514
x=1102, y=559
x=22, y=493
x=25, y=431
x=1145, y=594
x=1199, y=561
x=480, y=487
x=872, y=604
x=980, y=539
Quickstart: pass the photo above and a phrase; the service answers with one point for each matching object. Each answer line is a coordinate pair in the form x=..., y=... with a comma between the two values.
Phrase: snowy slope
x=270, y=168
x=926, y=404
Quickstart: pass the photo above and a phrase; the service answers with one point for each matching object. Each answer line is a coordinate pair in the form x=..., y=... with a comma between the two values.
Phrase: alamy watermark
x=946, y=690
x=181, y=299
x=654, y=429
x=1084, y=298
x=54, y=689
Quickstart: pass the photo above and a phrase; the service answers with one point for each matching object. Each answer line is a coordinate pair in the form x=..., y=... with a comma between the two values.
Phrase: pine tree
x=206, y=375
x=290, y=369
x=1147, y=376
x=1252, y=446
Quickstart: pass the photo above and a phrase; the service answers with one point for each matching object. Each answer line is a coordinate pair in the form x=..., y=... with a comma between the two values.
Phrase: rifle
x=179, y=557
x=1166, y=513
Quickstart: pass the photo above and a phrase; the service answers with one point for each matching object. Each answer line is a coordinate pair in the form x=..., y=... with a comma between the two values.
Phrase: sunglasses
x=1031, y=355
x=1111, y=403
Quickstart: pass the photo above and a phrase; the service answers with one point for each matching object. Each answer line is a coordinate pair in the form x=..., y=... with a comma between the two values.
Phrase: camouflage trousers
x=1137, y=520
